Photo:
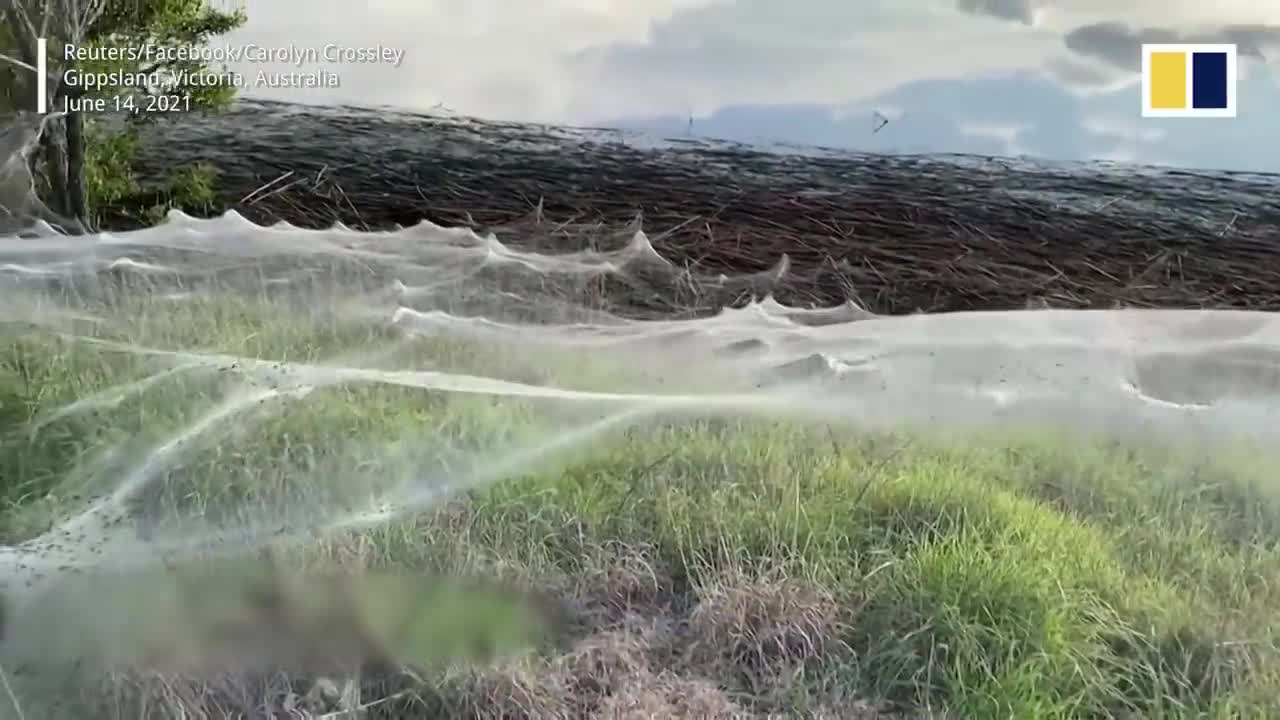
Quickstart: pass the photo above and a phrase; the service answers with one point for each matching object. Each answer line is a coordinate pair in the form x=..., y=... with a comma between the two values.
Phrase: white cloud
x=1134, y=155
x=584, y=60
x=1008, y=135
x=1064, y=15
x=1085, y=76
x=1123, y=129
x=576, y=60
x=485, y=57
x=875, y=114
x=829, y=52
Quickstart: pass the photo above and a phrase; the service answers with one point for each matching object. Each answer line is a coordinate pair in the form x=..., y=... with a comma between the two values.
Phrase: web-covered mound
x=288, y=350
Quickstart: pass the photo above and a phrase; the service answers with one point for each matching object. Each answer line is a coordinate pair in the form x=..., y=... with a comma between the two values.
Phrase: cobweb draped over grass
x=1043, y=513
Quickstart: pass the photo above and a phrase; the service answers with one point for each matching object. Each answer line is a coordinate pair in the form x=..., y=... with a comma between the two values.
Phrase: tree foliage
x=168, y=24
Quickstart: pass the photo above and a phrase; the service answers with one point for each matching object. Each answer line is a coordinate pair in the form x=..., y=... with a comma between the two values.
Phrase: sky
x=1056, y=79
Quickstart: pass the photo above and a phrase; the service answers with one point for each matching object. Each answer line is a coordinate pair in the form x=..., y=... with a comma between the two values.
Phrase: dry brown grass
x=667, y=695
x=623, y=580
x=248, y=696
x=763, y=631
x=518, y=691
x=605, y=662
x=740, y=645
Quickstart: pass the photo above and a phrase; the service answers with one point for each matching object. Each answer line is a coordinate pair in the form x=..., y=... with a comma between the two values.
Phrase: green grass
x=760, y=566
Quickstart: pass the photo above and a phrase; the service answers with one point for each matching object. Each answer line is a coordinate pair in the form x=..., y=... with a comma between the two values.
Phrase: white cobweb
x=537, y=368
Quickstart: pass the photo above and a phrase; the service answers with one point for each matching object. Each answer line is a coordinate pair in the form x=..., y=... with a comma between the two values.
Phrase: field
x=551, y=559
x=257, y=476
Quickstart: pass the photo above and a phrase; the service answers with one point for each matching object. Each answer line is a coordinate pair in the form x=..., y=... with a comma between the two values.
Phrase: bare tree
x=63, y=141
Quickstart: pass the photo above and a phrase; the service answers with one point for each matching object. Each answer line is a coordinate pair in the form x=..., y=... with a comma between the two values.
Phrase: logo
x=1188, y=81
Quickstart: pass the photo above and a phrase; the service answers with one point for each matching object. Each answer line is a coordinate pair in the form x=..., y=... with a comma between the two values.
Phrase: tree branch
x=18, y=63
x=24, y=33
x=21, y=19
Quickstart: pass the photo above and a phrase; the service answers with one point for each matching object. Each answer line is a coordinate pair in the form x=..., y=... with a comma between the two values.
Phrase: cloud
x=1085, y=76
x=1182, y=15
x=804, y=65
x=818, y=51
x=1120, y=45
x=1123, y=128
x=581, y=60
x=1023, y=11
x=1104, y=37
x=492, y=58
x=1019, y=113
x=1007, y=135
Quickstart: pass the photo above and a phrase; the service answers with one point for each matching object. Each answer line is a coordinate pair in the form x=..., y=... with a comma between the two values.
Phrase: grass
x=687, y=567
